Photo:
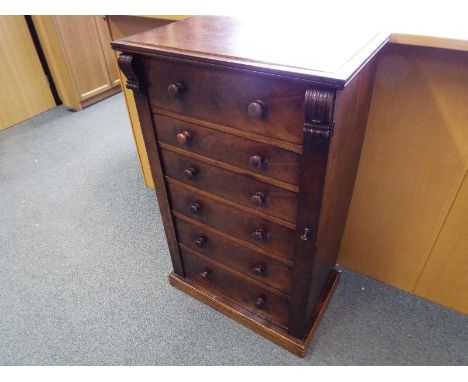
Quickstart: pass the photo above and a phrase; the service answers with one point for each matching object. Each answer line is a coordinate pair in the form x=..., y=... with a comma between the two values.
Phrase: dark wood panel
x=130, y=66
x=254, y=156
x=234, y=205
x=230, y=168
x=224, y=97
x=351, y=113
x=239, y=224
x=293, y=147
x=252, y=297
x=316, y=258
x=237, y=256
x=243, y=189
x=318, y=129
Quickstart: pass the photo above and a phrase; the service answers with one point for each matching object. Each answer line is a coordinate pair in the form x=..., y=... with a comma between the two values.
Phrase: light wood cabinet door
x=81, y=43
x=25, y=91
x=109, y=54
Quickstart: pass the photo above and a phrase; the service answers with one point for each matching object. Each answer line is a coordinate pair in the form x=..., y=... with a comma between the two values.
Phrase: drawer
x=225, y=96
x=252, y=297
x=240, y=188
x=250, y=155
x=272, y=238
x=234, y=255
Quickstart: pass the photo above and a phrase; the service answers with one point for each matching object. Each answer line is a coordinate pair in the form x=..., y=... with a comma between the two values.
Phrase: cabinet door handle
x=201, y=241
x=257, y=109
x=205, y=275
x=175, y=90
x=260, y=302
x=190, y=173
x=258, y=199
x=184, y=137
x=259, y=269
x=256, y=161
x=259, y=234
x=195, y=207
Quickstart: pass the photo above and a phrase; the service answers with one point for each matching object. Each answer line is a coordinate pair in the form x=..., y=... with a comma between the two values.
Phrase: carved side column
x=318, y=129
x=132, y=68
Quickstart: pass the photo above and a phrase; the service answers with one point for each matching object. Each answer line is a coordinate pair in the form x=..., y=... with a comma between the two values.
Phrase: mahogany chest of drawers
x=254, y=150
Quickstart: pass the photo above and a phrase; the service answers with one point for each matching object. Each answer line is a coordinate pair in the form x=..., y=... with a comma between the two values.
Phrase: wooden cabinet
x=77, y=49
x=25, y=91
x=255, y=243
x=109, y=55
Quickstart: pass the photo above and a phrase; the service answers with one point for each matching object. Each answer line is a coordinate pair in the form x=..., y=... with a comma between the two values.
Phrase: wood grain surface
x=414, y=158
x=204, y=96
x=25, y=91
x=275, y=162
x=221, y=279
x=84, y=54
x=444, y=277
x=233, y=221
x=235, y=42
x=239, y=188
x=255, y=265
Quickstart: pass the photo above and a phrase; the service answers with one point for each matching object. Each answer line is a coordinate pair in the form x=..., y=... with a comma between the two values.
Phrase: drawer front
x=254, y=156
x=235, y=256
x=225, y=96
x=239, y=224
x=252, y=297
x=240, y=188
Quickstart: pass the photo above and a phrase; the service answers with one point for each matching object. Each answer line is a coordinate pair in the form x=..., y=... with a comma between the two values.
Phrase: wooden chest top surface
x=311, y=50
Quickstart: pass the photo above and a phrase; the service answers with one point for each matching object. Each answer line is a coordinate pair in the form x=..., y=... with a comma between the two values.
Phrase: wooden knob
x=195, y=207
x=257, y=109
x=201, y=241
x=184, y=137
x=256, y=161
x=260, y=302
x=190, y=173
x=259, y=269
x=175, y=90
x=259, y=234
x=205, y=274
x=258, y=199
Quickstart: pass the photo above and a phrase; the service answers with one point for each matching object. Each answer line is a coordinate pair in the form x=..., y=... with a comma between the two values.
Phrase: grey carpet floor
x=84, y=265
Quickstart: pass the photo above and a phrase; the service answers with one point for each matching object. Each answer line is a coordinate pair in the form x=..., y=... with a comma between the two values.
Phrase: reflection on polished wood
x=334, y=59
